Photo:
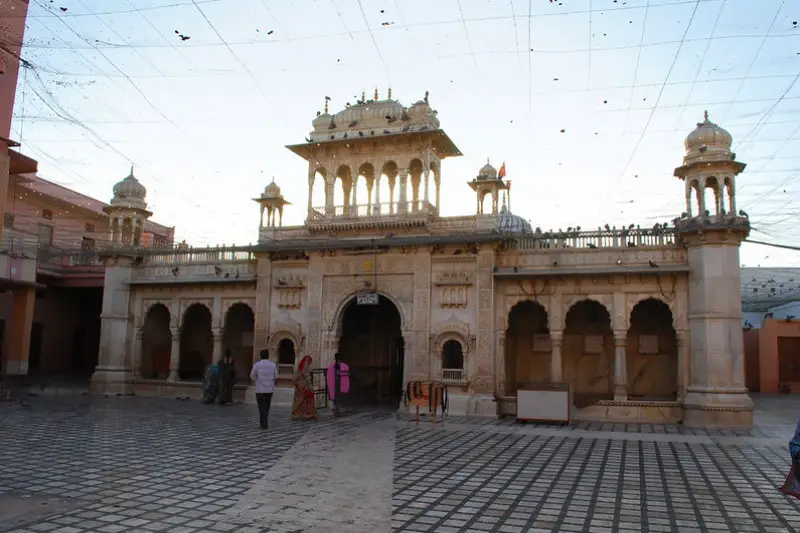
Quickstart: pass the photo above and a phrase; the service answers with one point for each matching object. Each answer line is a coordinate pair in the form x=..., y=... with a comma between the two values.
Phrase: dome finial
x=131, y=169
x=363, y=96
x=376, y=94
x=390, y=93
x=705, y=115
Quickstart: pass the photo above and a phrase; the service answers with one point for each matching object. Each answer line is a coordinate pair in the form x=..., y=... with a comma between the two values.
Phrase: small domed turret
x=129, y=193
x=708, y=141
x=272, y=191
x=128, y=212
x=488, y=172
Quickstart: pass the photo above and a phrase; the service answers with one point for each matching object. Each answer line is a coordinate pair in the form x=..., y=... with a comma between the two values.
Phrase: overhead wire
x=638, y=142
x=702, y=61
x=372, y=38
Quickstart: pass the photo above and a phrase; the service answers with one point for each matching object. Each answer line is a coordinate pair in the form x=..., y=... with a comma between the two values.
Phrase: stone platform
x=91, y=464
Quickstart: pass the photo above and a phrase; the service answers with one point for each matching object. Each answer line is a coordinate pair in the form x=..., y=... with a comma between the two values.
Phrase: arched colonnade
x=721, y=187
x=600, y=363
x=371, y=188
x=180, y=350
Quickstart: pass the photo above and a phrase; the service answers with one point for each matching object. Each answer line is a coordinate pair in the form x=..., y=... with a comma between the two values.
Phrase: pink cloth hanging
x=344, y=380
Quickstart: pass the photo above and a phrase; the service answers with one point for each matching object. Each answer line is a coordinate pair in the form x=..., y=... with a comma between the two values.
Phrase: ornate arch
x=283, y=334
x=513, y=299
x=147, y=305
x=452, y=330
x=208, y=303
x=632, y=300
x=605, y=300
x=227, y=304
x=338, y=313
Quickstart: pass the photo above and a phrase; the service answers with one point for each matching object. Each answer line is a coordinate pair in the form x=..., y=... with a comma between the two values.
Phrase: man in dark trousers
x=264, y=375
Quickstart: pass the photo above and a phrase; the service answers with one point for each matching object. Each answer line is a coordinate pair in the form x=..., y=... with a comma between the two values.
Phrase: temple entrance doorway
x=371, y=344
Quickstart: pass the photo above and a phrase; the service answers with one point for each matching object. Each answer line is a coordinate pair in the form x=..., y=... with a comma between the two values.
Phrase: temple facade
x=643, y=324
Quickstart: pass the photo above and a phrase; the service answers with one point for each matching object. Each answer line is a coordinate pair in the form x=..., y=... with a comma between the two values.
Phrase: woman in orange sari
x=304, y=406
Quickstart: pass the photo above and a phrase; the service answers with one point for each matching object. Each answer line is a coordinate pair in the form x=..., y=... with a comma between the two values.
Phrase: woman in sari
x=792, y=485
x=304, y=406
x=210, y=384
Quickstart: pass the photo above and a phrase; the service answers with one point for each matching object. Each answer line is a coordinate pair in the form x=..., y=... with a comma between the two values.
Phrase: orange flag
x=502, y=173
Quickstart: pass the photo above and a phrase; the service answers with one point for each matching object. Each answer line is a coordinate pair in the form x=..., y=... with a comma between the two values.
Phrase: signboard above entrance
x=370, y=298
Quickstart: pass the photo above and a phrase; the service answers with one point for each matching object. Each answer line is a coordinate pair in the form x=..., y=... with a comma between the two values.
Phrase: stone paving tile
x=95, y=464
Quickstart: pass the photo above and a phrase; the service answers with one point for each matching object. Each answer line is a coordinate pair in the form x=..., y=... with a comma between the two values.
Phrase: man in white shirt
x=264, y=374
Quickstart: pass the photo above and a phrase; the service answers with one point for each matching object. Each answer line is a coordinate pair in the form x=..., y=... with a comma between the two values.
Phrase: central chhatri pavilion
x=643, y=324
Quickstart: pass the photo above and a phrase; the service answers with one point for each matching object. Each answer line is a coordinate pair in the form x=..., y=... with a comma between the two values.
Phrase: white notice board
x=544, y=405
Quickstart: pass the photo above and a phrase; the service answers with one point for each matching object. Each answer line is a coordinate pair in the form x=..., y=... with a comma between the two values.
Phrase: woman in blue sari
x=210, y=384
x=792, y=484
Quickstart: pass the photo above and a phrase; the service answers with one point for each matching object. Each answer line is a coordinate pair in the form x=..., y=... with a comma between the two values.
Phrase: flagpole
x=508, y=186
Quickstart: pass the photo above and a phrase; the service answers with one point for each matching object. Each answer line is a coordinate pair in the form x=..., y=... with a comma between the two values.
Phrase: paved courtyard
x=125, y=464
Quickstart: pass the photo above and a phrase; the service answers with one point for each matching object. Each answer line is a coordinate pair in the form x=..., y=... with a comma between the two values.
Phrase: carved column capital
x=556, y=336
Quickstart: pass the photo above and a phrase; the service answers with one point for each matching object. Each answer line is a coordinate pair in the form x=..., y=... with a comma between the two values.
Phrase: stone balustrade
x=614, y=238
x=386, y=209
x=191, y=256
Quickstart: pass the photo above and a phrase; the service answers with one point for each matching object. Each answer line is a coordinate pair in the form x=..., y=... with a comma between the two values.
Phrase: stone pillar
x=262, y=317
x=312, y=173
x=402, y=201
x=731, y=196
x=556, y=366
x=113, y=373
x=436, y=182
x=426, y=182
x=683, y=364
x=137, y=354
x=19, y=340
x=174, y=355
x=717, y=394
x=217, y=333
x=330, y=184
x=262, y=310
x=484, y=351
x=620, y=365
x=354, y=204
x=377, y=208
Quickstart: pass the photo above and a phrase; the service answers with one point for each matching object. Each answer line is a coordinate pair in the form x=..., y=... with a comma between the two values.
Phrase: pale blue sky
x=205, y=120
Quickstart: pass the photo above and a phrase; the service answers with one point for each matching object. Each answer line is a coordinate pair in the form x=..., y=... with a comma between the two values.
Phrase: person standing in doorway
x=264, y=375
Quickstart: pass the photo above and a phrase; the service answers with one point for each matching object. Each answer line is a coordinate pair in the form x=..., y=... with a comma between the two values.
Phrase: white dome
x=272, y=191
x=129, y=193
x=488, y=172
x=321, y=122
x=708, y=141
x=511, y=223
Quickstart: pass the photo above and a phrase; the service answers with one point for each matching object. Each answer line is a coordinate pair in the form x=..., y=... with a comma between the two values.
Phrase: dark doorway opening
x=372, y=346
